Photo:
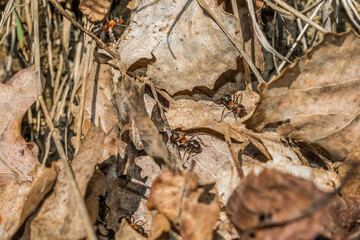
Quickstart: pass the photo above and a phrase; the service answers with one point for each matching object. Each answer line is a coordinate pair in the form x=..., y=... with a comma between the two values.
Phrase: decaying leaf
x=95, y=10
x=285, y=159
x=280, y=206
x=58, y=217
x=202, y=51
x=316, y=100
x=23, y=183
x=189, y=207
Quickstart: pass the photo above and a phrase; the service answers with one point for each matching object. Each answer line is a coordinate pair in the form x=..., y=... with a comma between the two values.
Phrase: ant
x=135, y=225
x=233, y=105
x=98, y=28
x=189, y=145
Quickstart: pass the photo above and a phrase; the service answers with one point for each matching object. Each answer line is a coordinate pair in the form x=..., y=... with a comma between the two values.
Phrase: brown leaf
x=198, y=218
x=284, y=159
x=316, y=99
x=194, y=40
x=160, y=225
x=280, y=206
x=95, y=10
x=21, y=176
x=97, y=187
x=58, y=217
x=209, y=114
x=178, y=197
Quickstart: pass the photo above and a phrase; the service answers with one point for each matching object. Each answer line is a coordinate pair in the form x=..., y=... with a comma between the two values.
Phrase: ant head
x=225, y=99
x=175, y=137
x=195, y=146
x=118, y=20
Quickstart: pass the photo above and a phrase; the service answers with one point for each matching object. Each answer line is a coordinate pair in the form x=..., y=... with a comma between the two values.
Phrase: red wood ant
x=233, y=105
x=98, y=28
x=137, y=227
x=189, y=145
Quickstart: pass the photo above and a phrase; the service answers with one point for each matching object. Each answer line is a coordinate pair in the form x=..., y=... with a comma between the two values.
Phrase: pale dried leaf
x=21, y=176
x=195, y=40
x=191, y=208
x=316, y=99
x=95, y=10
x=285, y=159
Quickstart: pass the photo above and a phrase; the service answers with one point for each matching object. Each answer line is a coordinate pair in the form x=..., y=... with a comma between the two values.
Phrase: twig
x=100, y=43
x=280, y=10
x=77, y=69
x=246, y=66
x=49, y=41
x=300, y=26
x=12, y=47
x=80, y=203
x=83, y=89
x=6, y=13
x=311, y=6
x=282, y=65
x=350, y=14
x=300, y=15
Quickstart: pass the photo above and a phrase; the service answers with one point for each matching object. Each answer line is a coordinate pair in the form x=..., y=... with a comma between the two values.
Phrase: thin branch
x=100, y=43
x=282, y=65
x=300, y=15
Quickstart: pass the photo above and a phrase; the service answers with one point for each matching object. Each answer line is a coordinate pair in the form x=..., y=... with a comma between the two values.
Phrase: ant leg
x=137, y=222
x=225, y=115
x=222, y=114
x=112, y=37
x=201, y=141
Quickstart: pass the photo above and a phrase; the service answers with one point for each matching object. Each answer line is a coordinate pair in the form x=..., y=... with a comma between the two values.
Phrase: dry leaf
x=159, y=226
x=279, y=206
x=194, y=40
x=95, y=10
x=58, y=217
x=209, y=114
x=23, y=183
x=177, y=196
x=316, y=100
x=285, y=159
x=97, y=187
